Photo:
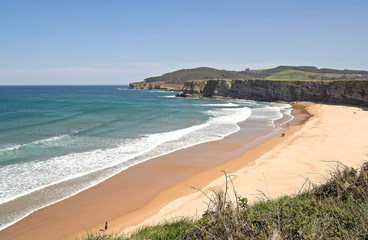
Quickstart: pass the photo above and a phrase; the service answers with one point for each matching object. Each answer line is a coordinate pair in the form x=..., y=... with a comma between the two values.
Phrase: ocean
x=56, y=141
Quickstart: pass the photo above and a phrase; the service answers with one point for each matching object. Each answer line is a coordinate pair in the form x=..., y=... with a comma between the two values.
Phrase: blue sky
x=117, y=42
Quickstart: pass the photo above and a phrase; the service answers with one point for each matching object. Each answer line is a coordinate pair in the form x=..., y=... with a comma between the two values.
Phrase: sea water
x=56, y=141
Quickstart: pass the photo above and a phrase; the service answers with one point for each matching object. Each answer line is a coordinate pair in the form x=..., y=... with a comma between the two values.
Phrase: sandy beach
x=160, y=188
x=334, y=135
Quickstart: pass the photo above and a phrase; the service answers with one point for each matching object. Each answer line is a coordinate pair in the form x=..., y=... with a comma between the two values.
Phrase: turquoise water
x=56, y=141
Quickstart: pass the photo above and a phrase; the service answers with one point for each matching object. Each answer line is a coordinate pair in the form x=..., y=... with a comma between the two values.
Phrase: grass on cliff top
x=337, y=209
x=274, y=78
x=302, y=75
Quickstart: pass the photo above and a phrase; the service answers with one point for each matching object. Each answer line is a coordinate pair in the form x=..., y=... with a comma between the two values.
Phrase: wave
x=52, y=121
x=273, y=112
x=230, y=104
x=9, y=148
x=46, y=141
x=157, y=91
x=170, y=96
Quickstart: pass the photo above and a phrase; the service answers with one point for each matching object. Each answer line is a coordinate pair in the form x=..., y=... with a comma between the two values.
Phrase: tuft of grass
x=101, y=236
x=176, y=229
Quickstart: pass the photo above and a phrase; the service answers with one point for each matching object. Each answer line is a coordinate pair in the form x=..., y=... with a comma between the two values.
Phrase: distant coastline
x=283, y=83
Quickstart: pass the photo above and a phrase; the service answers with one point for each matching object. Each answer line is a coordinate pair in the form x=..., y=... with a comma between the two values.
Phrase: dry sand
x=159, y=189
x=309, y=151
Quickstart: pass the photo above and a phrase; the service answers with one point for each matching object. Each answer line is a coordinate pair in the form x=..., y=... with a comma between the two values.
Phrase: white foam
x=170, y=96
x=157, y=91
x=230, y=104
x=10, y=148
x=46, y=141
x=244, y=101
x=273, y=112
x=51, y=140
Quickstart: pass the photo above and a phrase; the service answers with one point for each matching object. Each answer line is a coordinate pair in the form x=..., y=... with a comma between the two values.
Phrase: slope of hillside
x=181, y=76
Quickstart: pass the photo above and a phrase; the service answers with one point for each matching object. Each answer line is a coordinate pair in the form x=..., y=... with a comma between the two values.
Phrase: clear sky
x=117, y=42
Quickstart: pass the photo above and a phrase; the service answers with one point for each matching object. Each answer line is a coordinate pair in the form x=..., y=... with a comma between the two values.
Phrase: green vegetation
x=181, y=76
x=309, y=71
x=337, y=209
x=301, y=75
x=177, y=229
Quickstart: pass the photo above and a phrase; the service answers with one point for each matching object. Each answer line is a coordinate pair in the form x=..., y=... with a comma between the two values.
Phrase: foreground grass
x=337, y=209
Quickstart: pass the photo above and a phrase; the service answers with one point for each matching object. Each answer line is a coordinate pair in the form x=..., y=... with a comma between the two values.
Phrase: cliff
x=340, y=92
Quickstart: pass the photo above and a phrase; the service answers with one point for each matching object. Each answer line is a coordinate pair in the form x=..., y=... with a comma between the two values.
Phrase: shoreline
x=131, y=180
x=308, y=152
x=105, y=200
x=193, y=204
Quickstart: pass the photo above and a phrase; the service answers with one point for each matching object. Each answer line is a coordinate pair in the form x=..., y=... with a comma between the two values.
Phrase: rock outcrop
x=339, y=92
x=155, y=86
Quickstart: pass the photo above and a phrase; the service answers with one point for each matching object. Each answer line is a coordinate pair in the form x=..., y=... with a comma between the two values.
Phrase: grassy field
x=301, y=75
x=337, y=209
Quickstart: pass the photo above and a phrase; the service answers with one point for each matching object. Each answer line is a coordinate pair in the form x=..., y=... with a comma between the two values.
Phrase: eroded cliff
x=341, y=92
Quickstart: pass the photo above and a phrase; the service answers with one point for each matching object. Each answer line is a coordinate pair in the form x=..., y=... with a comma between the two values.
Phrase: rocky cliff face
x=342, y=92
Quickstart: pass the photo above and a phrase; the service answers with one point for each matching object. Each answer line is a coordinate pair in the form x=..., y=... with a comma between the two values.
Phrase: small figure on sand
x=283, y=135
x=105, y=227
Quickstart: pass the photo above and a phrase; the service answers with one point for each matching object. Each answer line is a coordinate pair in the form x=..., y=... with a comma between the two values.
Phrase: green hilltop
x=181, y=76
x=281, y=72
